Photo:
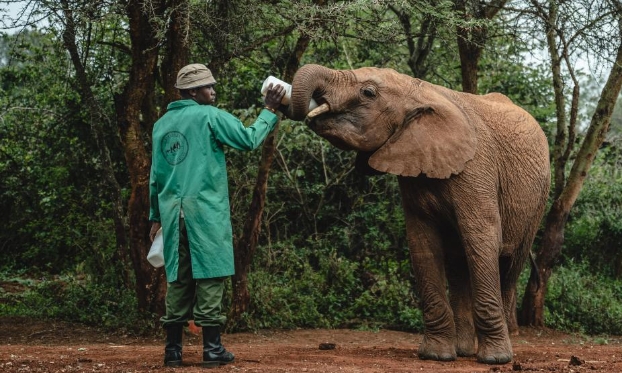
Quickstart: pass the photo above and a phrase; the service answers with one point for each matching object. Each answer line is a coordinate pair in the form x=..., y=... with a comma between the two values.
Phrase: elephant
x=474, y=178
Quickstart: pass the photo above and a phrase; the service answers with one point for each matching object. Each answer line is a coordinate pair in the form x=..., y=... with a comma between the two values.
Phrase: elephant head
x=404, y=126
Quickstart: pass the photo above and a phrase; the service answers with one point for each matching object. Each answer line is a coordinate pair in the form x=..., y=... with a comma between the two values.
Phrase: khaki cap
x=193, y=76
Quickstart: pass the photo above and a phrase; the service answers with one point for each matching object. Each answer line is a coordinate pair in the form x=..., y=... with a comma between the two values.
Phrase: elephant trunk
x=308, y=80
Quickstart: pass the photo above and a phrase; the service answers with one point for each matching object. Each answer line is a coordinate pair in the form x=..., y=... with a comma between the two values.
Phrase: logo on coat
x=174, y=147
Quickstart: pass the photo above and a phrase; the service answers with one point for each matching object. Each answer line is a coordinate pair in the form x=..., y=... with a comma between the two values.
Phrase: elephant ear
x=436, y=140
x=361, y=164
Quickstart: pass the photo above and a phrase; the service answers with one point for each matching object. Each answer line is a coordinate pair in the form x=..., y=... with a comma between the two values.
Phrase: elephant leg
x=482, y=242
x=509, y=305
x=490, y=320
x=427, y=260
x=510, y=267
x=461, y=303
x=509, y=278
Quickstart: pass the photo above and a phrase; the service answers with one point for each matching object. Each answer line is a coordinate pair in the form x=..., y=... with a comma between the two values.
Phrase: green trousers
x=192, y=299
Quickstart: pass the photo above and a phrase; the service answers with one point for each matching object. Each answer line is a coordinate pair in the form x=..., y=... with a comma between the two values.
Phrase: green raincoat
x=188, y=172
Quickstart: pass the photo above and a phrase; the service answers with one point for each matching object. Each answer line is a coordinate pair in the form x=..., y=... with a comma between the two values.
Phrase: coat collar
x=181, y=104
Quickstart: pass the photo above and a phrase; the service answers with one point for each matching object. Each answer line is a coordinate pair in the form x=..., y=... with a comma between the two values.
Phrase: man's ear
x=185, y=94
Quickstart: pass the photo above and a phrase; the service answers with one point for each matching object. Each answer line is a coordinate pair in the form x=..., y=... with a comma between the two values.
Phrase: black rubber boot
x=172, y=350
x=214, y=353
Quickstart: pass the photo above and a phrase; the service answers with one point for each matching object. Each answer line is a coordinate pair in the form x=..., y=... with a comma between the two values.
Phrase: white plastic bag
x=156, y=253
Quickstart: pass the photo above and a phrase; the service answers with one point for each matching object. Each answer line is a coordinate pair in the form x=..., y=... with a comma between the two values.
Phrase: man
x=190, y=202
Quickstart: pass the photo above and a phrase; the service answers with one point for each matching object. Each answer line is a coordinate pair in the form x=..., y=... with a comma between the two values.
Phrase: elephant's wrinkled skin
x=474, y=178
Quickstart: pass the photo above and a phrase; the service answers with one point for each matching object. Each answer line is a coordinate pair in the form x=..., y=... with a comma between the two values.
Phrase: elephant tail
x=534, y=277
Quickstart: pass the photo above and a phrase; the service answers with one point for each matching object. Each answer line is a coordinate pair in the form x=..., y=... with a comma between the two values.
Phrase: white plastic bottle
x=288, y=91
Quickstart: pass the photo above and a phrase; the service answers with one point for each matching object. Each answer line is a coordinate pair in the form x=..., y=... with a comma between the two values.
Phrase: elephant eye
x=369, y=92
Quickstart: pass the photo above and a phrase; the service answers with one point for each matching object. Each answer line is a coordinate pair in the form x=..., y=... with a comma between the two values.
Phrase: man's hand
x=155, y=226
x=274, y=96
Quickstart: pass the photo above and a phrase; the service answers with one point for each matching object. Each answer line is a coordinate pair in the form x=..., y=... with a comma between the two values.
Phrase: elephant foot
x=465, y=347
x=495, y=353
x=494, y=359
x=437, y=349
x=466, y=340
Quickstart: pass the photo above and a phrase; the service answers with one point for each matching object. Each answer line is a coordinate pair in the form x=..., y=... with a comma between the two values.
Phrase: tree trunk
x=246, y=246
x=472, y=39
x=532, y=310
x=130, y=108
x=420, y=43
x=177, y=51
x=561, y=137
x=470, y=54
x=533, y=301
x=175, y=57
x=97, y=118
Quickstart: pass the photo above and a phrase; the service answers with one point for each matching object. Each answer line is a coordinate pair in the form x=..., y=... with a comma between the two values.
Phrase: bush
x=580, y=300
x=75, y=299
x=333, y=292
x=594, y=228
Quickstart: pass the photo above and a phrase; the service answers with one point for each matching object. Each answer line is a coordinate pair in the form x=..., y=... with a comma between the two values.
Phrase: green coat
x=188, y=171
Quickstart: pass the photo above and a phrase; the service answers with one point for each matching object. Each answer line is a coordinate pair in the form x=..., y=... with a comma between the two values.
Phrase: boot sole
x=173, y=364
x=214, y=364
x=210, y=364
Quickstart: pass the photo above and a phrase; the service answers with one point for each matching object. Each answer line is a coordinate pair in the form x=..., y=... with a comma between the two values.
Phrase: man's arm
x=229, y=130
x=155, y=226
x=154, y=205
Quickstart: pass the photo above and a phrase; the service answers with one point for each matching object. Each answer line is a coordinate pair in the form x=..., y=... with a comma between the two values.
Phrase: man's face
x=205, y=95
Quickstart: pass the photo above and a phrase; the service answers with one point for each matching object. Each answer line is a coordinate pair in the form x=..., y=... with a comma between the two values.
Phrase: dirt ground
x=30, y=346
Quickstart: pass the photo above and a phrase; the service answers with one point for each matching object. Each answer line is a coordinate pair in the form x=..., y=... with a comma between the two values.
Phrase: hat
x=193, y=76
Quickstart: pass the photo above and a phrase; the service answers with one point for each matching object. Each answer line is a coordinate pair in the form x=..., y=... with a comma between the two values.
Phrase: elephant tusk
x=324, y=108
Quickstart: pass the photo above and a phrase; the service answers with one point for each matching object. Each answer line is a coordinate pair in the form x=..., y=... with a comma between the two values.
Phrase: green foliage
x=581, y=300
x=615, y=130
x=594, y=228
x=289, y=290
x=75, y=299
x=50, y=185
